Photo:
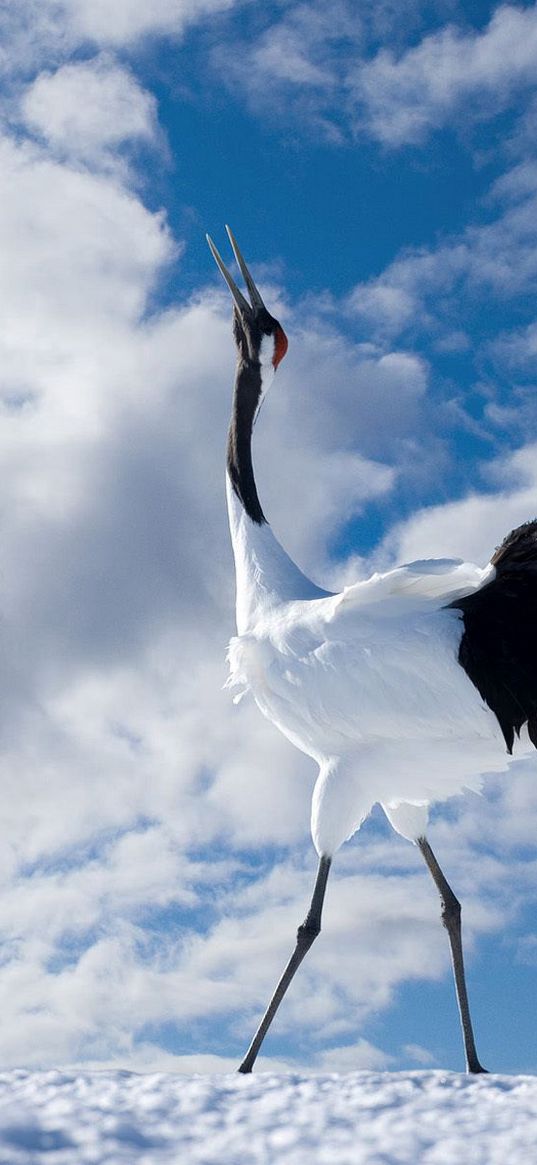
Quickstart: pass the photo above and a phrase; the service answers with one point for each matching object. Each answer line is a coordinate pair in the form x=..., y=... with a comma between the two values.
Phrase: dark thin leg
x=451, y=918
x=304, y=938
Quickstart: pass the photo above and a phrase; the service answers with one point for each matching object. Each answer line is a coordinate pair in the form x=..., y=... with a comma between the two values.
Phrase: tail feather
x=498, y=648
x=518, y=550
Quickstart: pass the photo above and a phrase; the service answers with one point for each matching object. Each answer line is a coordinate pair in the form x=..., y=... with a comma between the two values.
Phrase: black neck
x=246, y=398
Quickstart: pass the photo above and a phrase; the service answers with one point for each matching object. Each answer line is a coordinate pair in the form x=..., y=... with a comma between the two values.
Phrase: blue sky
x=379, y=168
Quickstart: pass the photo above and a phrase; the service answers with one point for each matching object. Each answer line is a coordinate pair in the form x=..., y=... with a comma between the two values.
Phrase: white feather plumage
x=366, y=682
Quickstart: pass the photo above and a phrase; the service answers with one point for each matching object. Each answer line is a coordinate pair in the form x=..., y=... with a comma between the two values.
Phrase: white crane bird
x=404, y=688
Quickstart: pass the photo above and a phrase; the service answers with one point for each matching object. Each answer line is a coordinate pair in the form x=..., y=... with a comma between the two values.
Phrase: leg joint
x=451, y=909
x=308, y=931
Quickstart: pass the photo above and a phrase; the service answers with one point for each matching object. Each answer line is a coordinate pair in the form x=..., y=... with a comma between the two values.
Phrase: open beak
x=256, y=303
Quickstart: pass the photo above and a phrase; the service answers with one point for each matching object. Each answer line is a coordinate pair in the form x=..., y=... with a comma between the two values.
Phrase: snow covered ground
x=361, y=1118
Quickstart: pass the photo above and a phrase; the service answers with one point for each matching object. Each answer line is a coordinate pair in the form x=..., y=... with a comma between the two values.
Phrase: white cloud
x=87, y=109
x=297, y=48
x=433, y=291
x=70, y=259
x=340, y=397
x=518, y=350
x=407, y=96
x=283, y=56
x=129, y=20
x=353, y=1057
x=378, y=70
x=473, y=527
x=37, y=31
x=418, y=1054
x=516, y=183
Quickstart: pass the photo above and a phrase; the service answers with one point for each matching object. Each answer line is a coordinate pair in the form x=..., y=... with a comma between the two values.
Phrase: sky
x=378, y=166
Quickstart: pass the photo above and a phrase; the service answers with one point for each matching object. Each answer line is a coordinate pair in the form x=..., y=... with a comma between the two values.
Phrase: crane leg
x=451, y=918
x=306, y=934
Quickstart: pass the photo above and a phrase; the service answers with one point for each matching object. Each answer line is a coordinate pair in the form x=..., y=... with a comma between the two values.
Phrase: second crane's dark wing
x=498, y=649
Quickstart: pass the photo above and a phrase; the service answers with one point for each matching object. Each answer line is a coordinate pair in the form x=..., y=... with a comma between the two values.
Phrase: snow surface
x=378, y=1118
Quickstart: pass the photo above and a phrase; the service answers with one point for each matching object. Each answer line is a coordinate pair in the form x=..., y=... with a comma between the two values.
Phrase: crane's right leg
x=451, y=918
x=306, y=934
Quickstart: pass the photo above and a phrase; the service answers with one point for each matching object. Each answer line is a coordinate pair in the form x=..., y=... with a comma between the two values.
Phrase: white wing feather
x=367, y=682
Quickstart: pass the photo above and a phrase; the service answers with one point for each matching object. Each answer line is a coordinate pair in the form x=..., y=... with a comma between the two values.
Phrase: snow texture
x=362, y=1118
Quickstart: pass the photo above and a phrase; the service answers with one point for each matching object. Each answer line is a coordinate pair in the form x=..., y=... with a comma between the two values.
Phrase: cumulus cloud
x=379, y=71
x=132, y=19
x=407, y=95
x=37, y=31
x=88, y=109
x=432, y=296
x=341, y=398
x=473, y=527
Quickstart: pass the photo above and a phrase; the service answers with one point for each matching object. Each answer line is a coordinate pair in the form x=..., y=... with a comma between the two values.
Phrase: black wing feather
x=498, y=649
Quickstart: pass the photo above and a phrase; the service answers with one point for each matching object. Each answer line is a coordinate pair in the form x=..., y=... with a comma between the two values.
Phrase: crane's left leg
x=306, y=935
x=451, y=918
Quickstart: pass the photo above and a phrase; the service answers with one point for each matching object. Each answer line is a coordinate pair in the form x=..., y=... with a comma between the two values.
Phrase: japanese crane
x=404, y=688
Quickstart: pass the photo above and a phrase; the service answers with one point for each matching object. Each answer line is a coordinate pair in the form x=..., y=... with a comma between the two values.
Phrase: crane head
x=260, y=338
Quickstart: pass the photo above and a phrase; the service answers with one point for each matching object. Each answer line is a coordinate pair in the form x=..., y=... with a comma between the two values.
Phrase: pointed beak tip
x=255, y=297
